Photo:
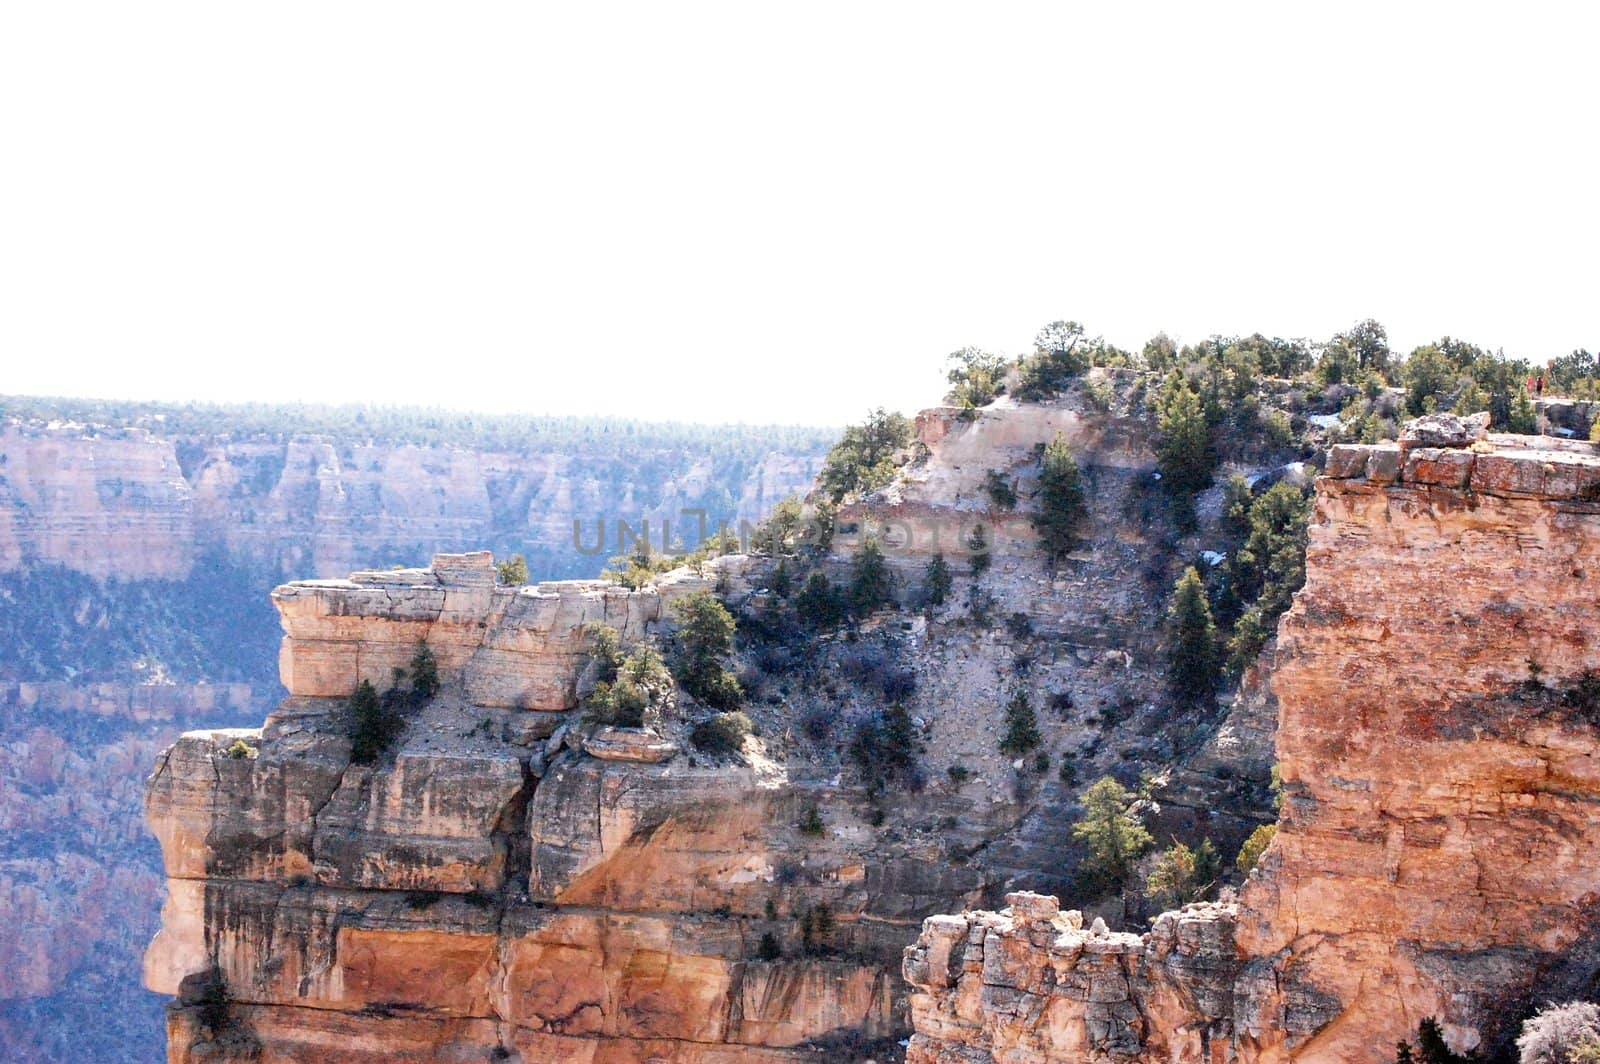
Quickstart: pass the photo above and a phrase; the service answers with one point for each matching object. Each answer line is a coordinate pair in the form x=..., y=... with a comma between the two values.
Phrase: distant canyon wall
x=134, y=505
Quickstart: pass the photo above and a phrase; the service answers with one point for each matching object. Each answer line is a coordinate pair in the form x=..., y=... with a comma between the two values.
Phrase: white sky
x=752, y=211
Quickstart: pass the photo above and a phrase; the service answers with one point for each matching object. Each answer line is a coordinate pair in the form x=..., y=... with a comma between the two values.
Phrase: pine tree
x=424, y=672
x=936, y=583
x=782, y=583
x=1431, y=1046
x=819, y=604
x=1183, y=449
x=870, y=584
x=822, y=927
x=1192, y=658
x=1112, y=834
x=1022, y=726
x=704, y=637
x=1060, y=500
x=1523, y=419
x=978, y=545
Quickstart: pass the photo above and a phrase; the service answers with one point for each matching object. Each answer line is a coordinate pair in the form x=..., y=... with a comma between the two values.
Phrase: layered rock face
x=1434, y=857
x=139, y=505
x=1032, y=984
x=493, y=886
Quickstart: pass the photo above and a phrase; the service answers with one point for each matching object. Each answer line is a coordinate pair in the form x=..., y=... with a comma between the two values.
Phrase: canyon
x=519, y=883
x=138, y=544
x=513, y=881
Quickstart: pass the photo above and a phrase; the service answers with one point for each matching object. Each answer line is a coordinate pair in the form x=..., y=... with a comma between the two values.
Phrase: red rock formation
x=1435, y=854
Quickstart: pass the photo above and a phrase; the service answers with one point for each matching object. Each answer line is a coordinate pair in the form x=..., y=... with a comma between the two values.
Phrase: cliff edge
x=1438, y=712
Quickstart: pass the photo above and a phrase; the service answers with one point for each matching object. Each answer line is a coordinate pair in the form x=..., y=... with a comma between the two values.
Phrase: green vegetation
x=1111, y=833
x=722, y=734
x=1000, y=490
x=978, y=548
x=1060, y=354
x=1192, y=657
x=641, y=565
x=424, y=672
x=782, y=531
x=1022, y=726
x=703, y=639
x=241, y=750
x=1266, y=570
x=817, y=929
x=1432, y=1048
x=1183, y=447
x=870, y=585
x=374, y=725
x=863, y=459
x=820, y=605
x=936, y=582
x=1061, y=508
x=811, y=823
x=1182, y=875
x=976, y=378
x=769, y=950
x=514, y=570
x=1256, y=845
x=885, y=750
x=634, y=693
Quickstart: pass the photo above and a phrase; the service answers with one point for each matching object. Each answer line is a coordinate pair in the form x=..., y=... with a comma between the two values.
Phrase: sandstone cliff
x=650, y=877
x=1437, y=740
x=495, y=886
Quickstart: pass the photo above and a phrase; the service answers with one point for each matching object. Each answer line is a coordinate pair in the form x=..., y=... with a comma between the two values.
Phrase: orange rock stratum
x=1441, y=815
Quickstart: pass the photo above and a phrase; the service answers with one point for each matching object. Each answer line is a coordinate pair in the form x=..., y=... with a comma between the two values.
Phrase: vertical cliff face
x=1438, y=744
x=500, y=883
x=1441, y=812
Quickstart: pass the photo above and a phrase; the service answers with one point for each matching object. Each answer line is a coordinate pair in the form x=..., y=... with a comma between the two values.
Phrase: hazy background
x=716, y=211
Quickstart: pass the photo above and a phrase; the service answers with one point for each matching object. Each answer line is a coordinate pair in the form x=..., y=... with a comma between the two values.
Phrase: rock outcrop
x=1031, y=983
x=1438, y=743
x=496, y=884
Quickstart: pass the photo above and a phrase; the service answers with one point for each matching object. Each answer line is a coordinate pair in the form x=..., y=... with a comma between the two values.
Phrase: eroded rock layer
x=1438, y=745
x=494, y=885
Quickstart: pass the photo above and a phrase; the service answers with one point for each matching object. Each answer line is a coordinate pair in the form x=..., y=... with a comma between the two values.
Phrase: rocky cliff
x=501, y=884
x=1437, y=740
x=514, y=881
x=137, y=545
